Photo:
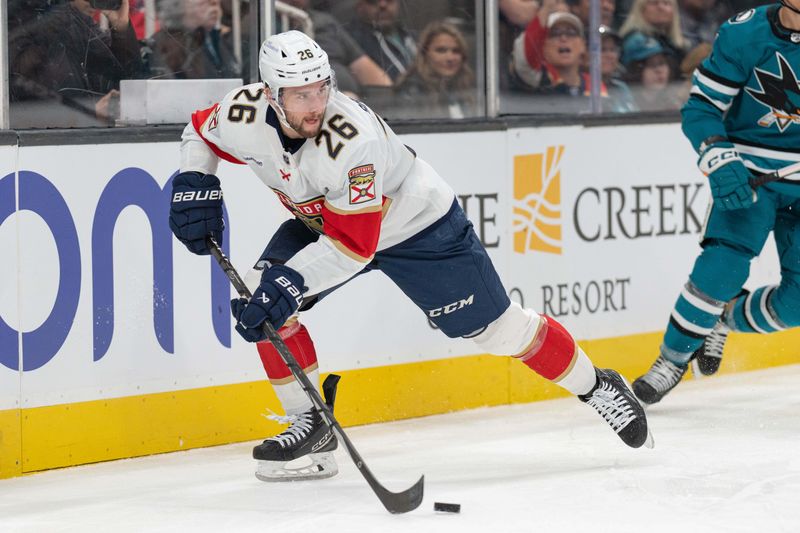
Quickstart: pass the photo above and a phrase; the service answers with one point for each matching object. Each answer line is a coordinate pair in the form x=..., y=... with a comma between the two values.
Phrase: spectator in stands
x=620, y=97
x=693, y=59
x=227, y=12
x=64, y=55
x=700, y=20
x=192, y=43
x=22, y=12
x=441, y=82
x=354, y=69
x=247, y=12
x=342, y=10
x=658, y=19
x=515, y=15
x=379, y=32
x=580, y=8
x=139, y=19
x=651, y=73
x=623, y=7
x=547, y=58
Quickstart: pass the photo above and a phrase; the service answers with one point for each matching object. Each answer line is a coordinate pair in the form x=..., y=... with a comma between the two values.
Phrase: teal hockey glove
x=727, y=175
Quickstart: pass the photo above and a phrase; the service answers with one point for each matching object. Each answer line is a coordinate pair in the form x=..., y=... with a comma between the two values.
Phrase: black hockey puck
x=447, y=507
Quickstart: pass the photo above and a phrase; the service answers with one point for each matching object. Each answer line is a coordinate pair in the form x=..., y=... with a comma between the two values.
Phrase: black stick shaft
x=395, y=502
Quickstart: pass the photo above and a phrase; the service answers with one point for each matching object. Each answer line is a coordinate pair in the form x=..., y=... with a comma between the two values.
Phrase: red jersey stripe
x=358, y=232
x=198, y=119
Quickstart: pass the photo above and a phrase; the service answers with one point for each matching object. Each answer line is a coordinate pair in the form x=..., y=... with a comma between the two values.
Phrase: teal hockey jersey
x=747, y=90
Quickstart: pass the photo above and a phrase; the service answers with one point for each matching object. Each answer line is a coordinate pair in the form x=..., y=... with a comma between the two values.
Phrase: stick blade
x=402, y=502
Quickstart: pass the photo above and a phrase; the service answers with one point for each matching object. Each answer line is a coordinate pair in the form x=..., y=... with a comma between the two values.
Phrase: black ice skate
x=707, y=358
x=615, y=402
x=304, y=450
x=662, y=377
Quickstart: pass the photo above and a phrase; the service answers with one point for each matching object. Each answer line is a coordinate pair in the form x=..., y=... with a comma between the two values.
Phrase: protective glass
x=106, y=49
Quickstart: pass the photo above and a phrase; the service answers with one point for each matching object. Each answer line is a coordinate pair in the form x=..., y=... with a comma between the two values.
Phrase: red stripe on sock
x=298, y=341
x=552, y=351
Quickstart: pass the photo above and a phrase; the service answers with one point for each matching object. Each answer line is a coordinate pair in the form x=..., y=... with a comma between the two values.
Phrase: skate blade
x=650, y=442
x=312, y=466
x=696, y=374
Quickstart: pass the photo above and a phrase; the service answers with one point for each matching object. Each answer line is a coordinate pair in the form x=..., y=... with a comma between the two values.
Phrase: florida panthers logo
x=780, y=93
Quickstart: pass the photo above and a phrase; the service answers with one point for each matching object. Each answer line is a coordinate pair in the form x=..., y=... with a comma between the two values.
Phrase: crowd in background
x=649, y=49
x=406, y=58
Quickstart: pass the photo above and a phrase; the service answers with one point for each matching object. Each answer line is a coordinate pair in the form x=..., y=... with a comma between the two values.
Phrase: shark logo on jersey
x=780, y=93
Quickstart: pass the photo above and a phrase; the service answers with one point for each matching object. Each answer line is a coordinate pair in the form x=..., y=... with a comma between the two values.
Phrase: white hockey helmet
x=292, y=59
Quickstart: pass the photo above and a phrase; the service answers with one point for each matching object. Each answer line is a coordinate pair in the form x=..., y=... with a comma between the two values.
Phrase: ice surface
x=726, y=460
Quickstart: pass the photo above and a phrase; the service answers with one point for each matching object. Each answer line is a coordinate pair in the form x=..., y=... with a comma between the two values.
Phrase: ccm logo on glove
x=728, y=178
x=720, y=157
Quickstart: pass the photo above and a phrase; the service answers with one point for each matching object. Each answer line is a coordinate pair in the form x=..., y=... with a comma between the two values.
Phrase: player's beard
x=298, y=124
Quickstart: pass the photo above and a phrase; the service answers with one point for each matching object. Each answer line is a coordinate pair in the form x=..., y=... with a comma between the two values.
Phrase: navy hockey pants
x=444, y=270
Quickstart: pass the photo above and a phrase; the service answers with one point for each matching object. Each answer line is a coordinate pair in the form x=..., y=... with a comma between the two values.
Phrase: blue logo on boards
x=129, y=187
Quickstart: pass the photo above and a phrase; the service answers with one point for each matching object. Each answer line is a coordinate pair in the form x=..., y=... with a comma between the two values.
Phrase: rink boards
x=116, y=342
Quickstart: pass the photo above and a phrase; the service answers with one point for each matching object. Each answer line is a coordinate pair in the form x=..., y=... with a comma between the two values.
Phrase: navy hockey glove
x=727, y=175
x=196, y=210
x=276, y=299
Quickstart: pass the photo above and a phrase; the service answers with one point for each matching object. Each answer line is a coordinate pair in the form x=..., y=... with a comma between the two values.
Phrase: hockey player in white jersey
x=362, y=201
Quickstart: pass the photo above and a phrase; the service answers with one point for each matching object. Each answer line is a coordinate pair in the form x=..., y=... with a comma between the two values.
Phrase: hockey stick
x=781, y=173
x=395, y=502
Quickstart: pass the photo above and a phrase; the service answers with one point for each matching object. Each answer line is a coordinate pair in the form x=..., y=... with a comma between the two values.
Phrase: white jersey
x=356, y=184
